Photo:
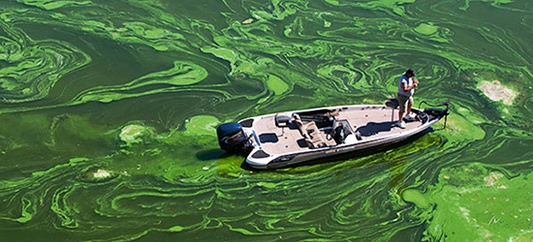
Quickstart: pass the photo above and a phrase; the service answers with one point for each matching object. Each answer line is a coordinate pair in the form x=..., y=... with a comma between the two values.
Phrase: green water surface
x=108, y=112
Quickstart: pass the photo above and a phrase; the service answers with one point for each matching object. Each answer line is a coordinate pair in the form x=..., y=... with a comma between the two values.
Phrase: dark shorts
x=404, y=101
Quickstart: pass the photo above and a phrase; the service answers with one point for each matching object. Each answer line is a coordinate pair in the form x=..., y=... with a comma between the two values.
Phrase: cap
x=410, y=71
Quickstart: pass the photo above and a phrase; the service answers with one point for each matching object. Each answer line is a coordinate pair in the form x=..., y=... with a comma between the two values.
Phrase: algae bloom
x=135, y=134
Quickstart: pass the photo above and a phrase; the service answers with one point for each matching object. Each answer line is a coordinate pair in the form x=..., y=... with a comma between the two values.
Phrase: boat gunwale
x=336, y=149
x=344, y=148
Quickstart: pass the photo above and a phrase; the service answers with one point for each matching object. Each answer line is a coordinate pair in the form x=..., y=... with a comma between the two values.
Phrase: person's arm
x=407, y=88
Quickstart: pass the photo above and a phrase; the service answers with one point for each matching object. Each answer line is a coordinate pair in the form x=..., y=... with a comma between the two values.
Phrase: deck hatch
x=268, y=138
x=260, y=154
x=247, y=123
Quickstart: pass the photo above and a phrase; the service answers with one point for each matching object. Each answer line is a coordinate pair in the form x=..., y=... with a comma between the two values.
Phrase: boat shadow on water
x=212, y=154
x=373, y=128
x=354, y=154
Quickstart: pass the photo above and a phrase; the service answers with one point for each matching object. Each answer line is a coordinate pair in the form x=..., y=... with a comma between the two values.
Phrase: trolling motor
x=447, y=104
x=437, y=112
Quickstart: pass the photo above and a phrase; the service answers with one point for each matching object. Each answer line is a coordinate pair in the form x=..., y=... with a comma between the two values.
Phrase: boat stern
x=233, y=139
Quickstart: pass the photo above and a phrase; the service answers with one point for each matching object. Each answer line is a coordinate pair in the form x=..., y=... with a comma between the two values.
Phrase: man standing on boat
x=406, y=89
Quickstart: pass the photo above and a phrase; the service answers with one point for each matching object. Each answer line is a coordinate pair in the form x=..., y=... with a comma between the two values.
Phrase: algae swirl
x=108, y=112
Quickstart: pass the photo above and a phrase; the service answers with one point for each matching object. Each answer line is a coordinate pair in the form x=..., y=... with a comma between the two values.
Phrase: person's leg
x=409, y=105
x=402, y=101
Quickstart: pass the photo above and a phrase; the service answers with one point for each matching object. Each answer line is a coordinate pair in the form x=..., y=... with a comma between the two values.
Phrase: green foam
x=135, y=133
x=471, y=202
x=277, y=85
x=201, y=125
x=108, y=113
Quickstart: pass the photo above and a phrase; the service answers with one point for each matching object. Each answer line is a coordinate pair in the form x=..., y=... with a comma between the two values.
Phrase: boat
x=297, y=137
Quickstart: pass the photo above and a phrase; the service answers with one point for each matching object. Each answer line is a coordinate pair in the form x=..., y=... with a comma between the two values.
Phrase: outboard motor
x=232, y=138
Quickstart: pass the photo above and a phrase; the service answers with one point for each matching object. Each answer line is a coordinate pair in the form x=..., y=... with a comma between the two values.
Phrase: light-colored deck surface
x=370, y=121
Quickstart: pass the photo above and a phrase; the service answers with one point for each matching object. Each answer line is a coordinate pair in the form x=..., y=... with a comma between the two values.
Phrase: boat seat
x=392, y=103
x=282, y=120
x=311, y=134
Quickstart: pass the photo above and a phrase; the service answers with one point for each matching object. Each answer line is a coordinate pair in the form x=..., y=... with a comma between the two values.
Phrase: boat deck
x=369, y=122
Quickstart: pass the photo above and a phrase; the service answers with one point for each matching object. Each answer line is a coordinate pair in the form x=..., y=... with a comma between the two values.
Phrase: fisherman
x=406, y=89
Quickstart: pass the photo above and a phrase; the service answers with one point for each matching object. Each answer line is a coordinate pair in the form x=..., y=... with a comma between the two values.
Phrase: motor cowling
x=232, y=138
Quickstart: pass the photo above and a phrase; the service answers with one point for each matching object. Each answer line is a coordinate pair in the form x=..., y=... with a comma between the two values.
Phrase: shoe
x=400, y=124
x=409, y=117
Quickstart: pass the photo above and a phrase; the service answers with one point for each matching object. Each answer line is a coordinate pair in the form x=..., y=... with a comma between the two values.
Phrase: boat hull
x=322, y=134
x=335, y=153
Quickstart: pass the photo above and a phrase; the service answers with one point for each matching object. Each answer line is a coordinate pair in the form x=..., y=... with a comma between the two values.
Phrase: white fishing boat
x=290, y=138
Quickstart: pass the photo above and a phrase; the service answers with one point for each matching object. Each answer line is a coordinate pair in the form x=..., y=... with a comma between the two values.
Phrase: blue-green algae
x=108, y=111
x=475, y=203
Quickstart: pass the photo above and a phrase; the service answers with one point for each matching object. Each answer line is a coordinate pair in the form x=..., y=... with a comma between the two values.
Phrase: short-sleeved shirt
x=409, y=82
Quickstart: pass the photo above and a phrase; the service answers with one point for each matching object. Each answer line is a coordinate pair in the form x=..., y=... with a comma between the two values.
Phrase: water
x=108, y=110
